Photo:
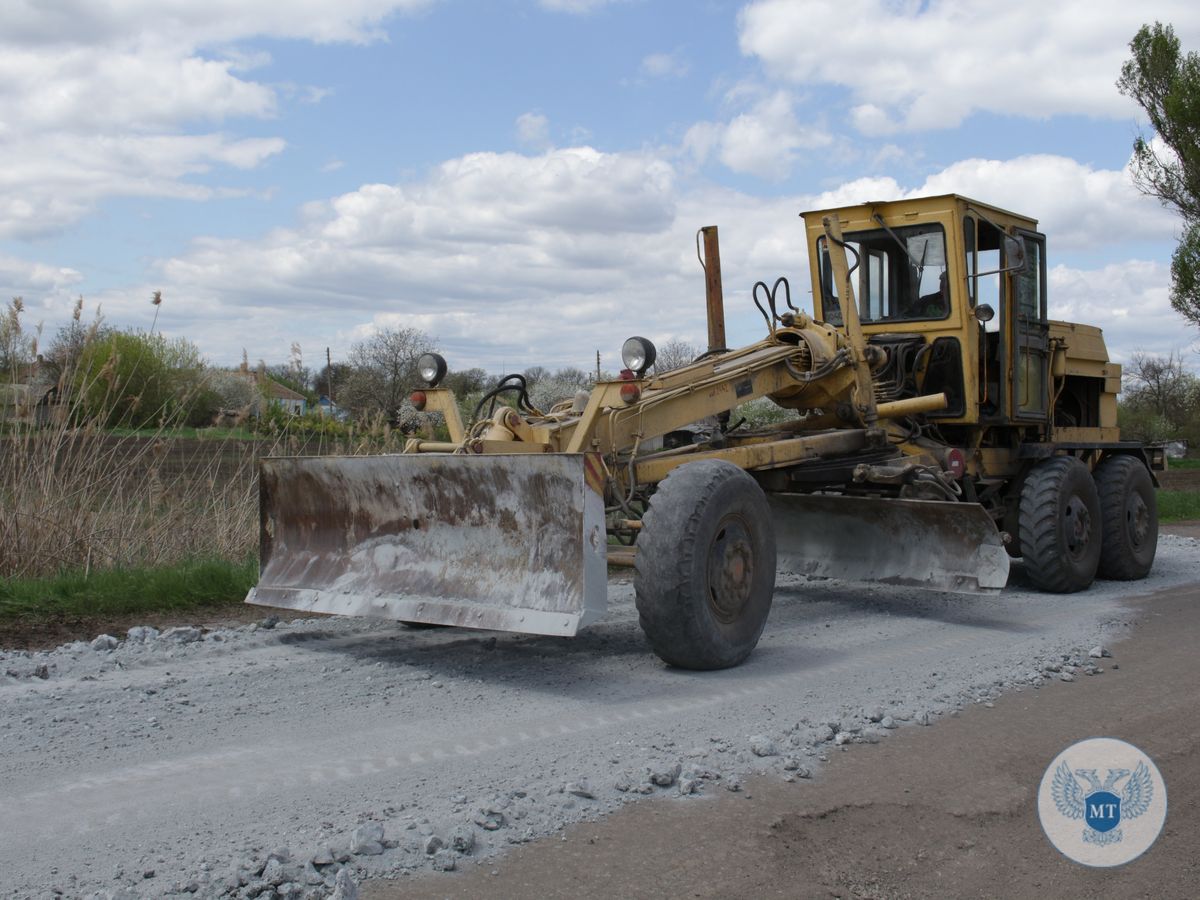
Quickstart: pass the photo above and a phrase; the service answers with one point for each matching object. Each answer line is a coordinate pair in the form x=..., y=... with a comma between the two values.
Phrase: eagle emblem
x=1098, y=804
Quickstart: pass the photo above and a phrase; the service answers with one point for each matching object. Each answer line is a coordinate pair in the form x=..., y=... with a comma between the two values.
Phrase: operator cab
x=955, y=291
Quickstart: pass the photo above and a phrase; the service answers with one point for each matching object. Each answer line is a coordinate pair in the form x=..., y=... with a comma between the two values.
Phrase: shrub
x=140, y=380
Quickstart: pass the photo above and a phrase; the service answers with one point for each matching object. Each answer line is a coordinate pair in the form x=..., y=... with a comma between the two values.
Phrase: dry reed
x=75, y=496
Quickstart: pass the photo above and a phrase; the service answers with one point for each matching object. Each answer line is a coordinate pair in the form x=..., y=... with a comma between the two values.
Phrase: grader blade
x=943, y=546
x=512, y=543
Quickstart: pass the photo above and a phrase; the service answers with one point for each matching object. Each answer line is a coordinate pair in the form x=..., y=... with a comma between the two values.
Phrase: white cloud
x=533, y=129
x=764, y=140
x=56, y=179
x=1078, y=206
x=109, y=21
x=19, y=277
x=103, y=98
x=576, y=7
x=929, y=65
x=1128, y=300
x=664, y=65
x=517, y=260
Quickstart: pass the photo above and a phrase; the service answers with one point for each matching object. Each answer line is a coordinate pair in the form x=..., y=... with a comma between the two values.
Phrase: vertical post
x=713, y=295
x=864, y=385
x=329, y=375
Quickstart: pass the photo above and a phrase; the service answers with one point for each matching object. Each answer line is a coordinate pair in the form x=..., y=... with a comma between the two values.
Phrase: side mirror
x=984, y=313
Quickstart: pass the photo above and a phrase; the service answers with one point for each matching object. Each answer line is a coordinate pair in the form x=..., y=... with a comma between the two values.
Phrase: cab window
x=901, y=275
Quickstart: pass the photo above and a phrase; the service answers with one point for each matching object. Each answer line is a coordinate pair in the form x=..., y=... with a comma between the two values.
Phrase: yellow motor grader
x=942, y=424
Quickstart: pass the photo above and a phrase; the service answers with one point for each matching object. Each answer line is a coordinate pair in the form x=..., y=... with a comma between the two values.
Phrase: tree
x=1166, y=83
x=468, y=381
x=70, y=341
x=384, y=371
x=554, y=388
x=1161, y=399
x=675, y=355
x=329, y=380
x=234, y=391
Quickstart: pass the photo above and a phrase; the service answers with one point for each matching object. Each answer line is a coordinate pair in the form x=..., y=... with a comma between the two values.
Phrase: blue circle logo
x=1102, y=802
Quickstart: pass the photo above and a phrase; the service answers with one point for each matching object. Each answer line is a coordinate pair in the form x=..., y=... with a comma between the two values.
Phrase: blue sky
x=522, y=179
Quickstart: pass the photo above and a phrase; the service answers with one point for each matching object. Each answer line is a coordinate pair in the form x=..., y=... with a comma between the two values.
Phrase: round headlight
x=432, y=368
x=638, y=354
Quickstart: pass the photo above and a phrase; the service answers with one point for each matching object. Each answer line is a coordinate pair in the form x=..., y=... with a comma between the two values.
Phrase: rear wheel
x=1130, y=517
x=1060, y=525
x=705, y=566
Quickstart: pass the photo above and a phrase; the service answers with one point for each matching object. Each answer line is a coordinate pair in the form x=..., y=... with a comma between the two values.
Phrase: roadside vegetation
x=1178, y=506
x=118, y=493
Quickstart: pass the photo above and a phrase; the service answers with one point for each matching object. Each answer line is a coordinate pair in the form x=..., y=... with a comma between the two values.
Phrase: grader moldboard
x=942, y=424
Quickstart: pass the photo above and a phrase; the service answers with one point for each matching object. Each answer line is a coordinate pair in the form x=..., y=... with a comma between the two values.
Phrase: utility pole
x=329, y=374
x=597, y=365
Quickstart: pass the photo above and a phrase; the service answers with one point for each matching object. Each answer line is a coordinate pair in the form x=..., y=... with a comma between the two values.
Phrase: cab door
x=1029, y=331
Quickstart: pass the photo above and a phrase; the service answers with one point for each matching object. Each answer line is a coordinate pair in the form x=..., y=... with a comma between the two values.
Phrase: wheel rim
x=730, y=570
x=1078, y=527
x=1137, y=519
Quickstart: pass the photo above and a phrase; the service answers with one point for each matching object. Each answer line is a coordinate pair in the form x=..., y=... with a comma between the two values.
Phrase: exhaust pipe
x=713, y=295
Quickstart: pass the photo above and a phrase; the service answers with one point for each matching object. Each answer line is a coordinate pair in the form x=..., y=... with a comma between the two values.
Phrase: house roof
x=272, y=388
x=277, y=391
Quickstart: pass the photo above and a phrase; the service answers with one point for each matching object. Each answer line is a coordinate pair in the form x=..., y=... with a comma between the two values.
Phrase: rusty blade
x=514, y=543
x=939, y=545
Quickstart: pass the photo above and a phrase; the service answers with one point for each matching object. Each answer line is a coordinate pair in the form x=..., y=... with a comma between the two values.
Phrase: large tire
x=1129, y=511
x=705, y=566
x=1060, y=525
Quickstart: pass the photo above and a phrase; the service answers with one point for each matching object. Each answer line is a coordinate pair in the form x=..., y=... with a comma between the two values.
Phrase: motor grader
x=940, y=424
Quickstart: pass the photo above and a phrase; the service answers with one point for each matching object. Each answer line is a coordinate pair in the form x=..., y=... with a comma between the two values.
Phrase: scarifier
x=942, y=424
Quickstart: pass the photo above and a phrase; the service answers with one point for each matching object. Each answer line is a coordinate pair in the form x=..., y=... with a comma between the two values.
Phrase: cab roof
x=918, y=206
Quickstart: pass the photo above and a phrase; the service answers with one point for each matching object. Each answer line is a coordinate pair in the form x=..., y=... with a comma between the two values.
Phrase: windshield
x=901, y=275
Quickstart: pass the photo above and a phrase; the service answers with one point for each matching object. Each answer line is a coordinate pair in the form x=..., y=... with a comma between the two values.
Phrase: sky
x=523, y=179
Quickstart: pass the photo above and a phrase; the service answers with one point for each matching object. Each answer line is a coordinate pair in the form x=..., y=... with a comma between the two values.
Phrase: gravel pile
x=292, y=759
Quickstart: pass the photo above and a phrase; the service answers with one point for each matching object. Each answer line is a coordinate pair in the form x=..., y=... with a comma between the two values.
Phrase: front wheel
x=1060, y=525
x=705, y=566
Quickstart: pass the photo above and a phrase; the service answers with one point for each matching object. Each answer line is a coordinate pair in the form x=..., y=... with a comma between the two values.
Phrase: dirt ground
x=21, y=634
x=946, y=811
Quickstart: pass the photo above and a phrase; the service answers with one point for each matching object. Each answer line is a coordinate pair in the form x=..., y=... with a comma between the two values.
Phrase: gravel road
x=265, y=761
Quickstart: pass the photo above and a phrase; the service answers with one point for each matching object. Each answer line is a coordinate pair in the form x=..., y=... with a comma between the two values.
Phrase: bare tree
x=675, y=355
x=383, y=370
x=1161, y=400
x=1163, y=385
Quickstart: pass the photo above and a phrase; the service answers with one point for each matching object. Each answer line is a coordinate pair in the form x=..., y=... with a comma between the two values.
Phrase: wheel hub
x=1137, y=519
x=730, y=570
x=1079, y=526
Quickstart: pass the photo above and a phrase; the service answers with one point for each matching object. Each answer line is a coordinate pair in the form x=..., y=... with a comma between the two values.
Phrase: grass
x=1190, y=463
x=211, y=433
x=1177, y=506
x=125, y=591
